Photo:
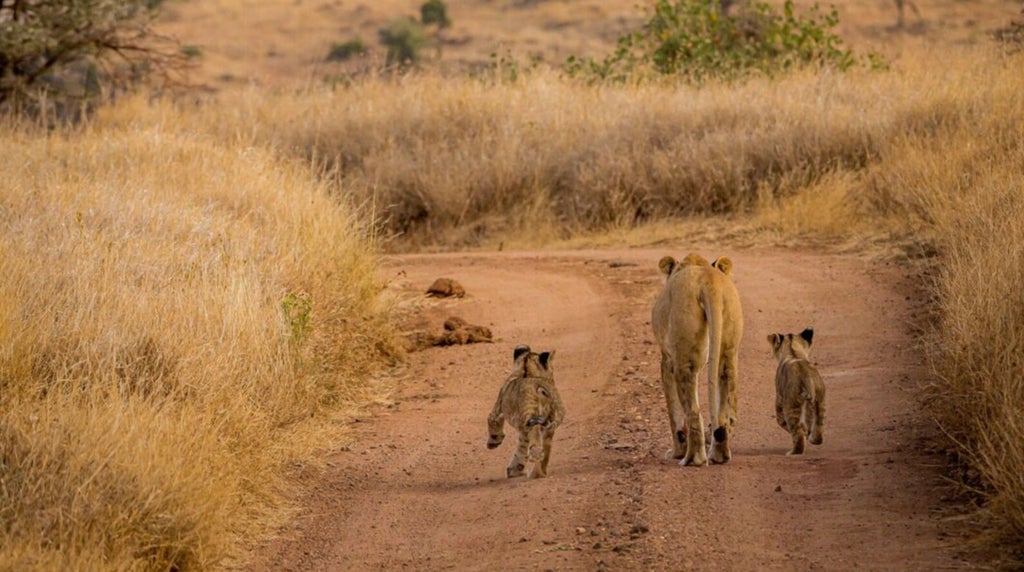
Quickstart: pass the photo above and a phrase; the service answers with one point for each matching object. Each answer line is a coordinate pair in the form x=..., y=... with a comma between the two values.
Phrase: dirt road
x=420, y=491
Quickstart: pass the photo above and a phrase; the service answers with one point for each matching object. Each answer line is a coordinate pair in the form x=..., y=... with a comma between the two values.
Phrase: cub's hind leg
x=517, y=465
x=780, y=416
x=537, y=452
x=817, y=421
x=549, y=436
x=797, y=428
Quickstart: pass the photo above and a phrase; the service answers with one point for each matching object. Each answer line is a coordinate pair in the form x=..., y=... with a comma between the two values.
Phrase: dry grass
x=186, y=308
x=970, y=194
x=463, y=162
x=154, y=389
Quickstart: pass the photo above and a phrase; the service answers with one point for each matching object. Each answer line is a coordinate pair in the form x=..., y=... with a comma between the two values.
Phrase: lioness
x=799, y=389
x=529, y=401
x=697, y=319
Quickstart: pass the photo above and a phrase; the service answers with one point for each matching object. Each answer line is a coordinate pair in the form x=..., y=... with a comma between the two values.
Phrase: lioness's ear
x=666, y=265
x=775, y=340
x=520, y=350
x=723, y=263
x=547, y=359
x=807, y=335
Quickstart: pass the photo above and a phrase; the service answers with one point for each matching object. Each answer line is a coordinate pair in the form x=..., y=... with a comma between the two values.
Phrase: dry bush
x=154, y=386
x=961, y=178
x=468, y=158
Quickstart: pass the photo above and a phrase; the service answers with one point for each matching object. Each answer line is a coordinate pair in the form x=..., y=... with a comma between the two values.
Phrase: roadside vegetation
x=189, y=304
x=183, y=322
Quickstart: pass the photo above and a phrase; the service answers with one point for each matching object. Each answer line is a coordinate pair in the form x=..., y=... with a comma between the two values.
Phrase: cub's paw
x=514, y=471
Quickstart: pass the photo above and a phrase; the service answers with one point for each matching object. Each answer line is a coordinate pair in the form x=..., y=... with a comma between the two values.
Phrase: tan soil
x=420, y=491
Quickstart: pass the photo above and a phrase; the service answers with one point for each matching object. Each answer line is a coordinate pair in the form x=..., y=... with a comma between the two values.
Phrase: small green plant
x=404, y=38
x=343, y=51
x=435, y=12
x=191, y=51
x=698, y=40
x=297, y=308
x=508, y=69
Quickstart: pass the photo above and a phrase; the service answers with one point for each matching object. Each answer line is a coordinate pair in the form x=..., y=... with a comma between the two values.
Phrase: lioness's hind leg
x=676, y=419
x=720, y=452
x=696, y=454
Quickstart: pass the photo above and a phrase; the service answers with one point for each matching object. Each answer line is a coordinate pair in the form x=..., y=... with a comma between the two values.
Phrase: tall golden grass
x=464, y=162
x=180, y=319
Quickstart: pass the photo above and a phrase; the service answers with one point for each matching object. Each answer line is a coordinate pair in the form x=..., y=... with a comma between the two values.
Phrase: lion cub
x=529, y=401
x=799, y=389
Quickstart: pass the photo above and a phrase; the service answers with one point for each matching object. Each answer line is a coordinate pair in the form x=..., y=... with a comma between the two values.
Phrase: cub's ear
x=520, y=350
x=666, y=265
x=723, y=263
x=775, y=340
x=547, y=359
x=807, y=335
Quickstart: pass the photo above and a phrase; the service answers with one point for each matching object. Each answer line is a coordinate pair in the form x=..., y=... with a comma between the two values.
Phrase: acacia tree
x=70, y=48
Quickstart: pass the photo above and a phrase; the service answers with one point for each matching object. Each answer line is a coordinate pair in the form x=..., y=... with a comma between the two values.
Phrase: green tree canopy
x=72, y=47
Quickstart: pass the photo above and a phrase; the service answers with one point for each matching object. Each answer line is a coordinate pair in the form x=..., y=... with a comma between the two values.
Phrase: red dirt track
x=419, y=490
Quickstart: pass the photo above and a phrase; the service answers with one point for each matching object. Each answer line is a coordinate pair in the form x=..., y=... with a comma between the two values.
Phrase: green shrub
x=435, y=12
x=344, y=51
x=69, y=50
x=404, y=38
x=697, y=40
x=297, y=308
x=191, y=52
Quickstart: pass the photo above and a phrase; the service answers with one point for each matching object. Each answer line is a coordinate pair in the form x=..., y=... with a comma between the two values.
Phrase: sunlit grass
x=154, y=387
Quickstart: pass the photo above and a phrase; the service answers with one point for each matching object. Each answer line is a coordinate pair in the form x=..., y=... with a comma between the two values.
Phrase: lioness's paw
x=719, y=454
x=693, y=462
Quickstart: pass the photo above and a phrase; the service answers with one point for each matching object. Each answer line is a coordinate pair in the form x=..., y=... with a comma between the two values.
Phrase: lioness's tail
x=713, y=315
